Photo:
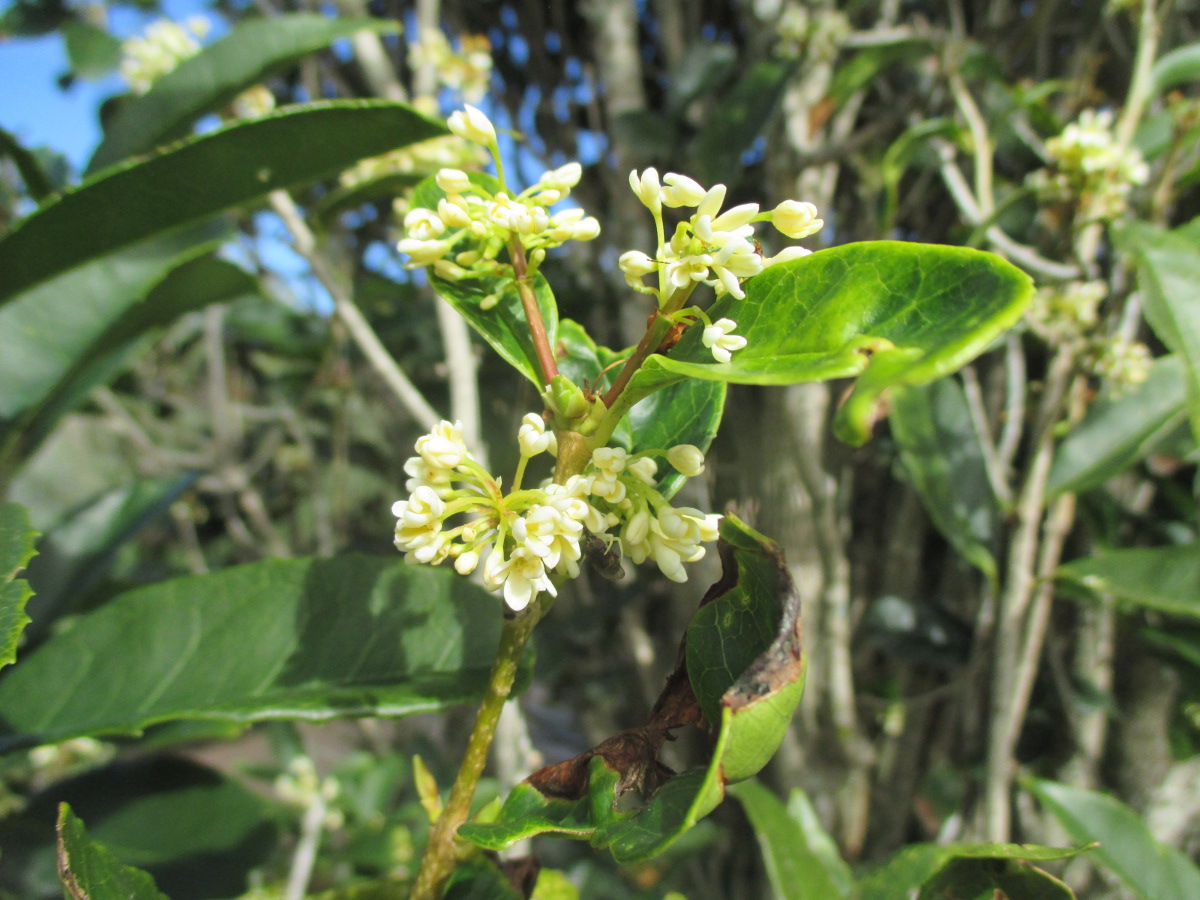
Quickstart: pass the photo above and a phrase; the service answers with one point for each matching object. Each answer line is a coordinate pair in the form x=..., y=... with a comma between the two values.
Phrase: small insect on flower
x=603, y=556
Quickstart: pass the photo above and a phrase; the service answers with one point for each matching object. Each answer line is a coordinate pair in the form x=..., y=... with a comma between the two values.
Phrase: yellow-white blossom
x=719, y=337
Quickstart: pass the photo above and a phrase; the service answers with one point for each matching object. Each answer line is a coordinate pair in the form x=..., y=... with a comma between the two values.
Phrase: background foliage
x=1000, y=590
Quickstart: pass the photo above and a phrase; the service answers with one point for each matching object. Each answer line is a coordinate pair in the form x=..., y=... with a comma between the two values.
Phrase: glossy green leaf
x=1150, y=869
x=92, y=51
x=1166, y=579
x=1121, y=430
x=686, y=413
x=1176, y=67
x=740, y=119
x=65, y=335
x=16, y=549
x=942, y=454
x=37, y=184
x=1168, y=272
x=90, y=871
x=76, y=552
x=169, y=816
x=795, y=871
x=502, y=325
x=917, y=864
x=888, y=312
x=987, y=879
x=205, y=83
x=203, y=175
x=749, y=704
x=311, y=639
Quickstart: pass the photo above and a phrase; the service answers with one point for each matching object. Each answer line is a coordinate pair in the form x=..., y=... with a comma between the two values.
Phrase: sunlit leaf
x=312, y=639
x=1151, y=870
x=92, y=51
x=886, y=312
x=204, y=175
x=205, y=83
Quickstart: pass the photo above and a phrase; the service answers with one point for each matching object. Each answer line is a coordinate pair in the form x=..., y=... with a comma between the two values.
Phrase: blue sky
x=37, y=111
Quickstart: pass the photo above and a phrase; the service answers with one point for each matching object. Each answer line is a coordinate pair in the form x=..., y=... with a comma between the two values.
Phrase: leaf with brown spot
x=90, y=871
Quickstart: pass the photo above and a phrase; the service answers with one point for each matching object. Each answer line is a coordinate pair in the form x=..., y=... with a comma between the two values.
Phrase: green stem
x=649, y=342
x=438, y=863
x=533, y=313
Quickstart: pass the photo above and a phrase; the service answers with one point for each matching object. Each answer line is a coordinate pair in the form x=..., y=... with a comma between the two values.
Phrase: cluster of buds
x=467, y=70
x=457, y=510
x=163, y=46
x=803, y=32
x=300, y=787
x=1069, y=315
x=1091, y=168
x=472, y=224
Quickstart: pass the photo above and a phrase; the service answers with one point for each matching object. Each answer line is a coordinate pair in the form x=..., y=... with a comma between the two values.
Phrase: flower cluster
x=467, y=70
x=1090, y=167
x=1069, y=314
x=473, y=224
x=163, y=46
x=457, y=510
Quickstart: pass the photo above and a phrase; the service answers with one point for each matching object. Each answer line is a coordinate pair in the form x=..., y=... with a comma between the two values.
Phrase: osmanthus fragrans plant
x=625, y=429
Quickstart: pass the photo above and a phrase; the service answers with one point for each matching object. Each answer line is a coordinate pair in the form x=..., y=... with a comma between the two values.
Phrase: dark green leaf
x=686, y=413
x=312, y=639
x=1176, y=67
x=1166, y=579
x=387, y=186
x=987, y=879
x=479, y=879
x=166, y=815
x=1168, y=271
x=1121, y=430
x=90, y=871
x=16, y=549
x=865, y=66
x=796, y=872
x=888, y=312
x=942, y=454
x=741, y=119
x=37, y=184
x=92, y=51
x=207, y=82
x=1150, y=869
x=67, y=335
x=76, y=553
x=201, y=176
x=915, y=865
x=749, y=703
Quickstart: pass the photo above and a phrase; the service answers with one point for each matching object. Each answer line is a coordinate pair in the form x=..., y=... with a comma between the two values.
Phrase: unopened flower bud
x=796, y=220
x=681, y=190
x=687, y=458
x=471, y=124
x=533, y=438
x=565, y=398
x=452, y=181
x=647, y=188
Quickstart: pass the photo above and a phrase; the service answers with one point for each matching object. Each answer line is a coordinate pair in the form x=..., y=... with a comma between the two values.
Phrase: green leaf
x=503, y=325
x=888, y=312
x=1166, y=579
x=739, y=120
x=1150, y=869
x=90, y=871
x=479, y=879
x=92, y=51
x=1168, y=272
x=865, y=66
x=37, y=184
x=686, y=413
x=917, y=864
x=1176, y=67
x=986, y=879
x=942, y=453
x=749, y=703
x=795, y=871
x=65, y=336
x=16, y=549
x=1121, y=430
x=205, y=83
x=311, y=639
x=203, y=175
x=169, y=816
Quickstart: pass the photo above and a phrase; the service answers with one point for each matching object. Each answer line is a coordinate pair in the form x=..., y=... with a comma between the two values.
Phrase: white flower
x=422, y=253
x=796, y=220
x=644, y=469
x=787, y=254
x=588, y=229
x=736, y=218
x=423, y=225
x=443, y=448
x=466, y=562
x=687, y=458
x=533, y=438
x=610, y=460
x=647, y=188
x=521, y=577
x=681, y=191
x=736, y=260
x=421, y=508
x=720, y=339
x=471, y=124
x=453, y=210
x=563, y=178
x=711, y=204
x=422, y=473
x=452, y=181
